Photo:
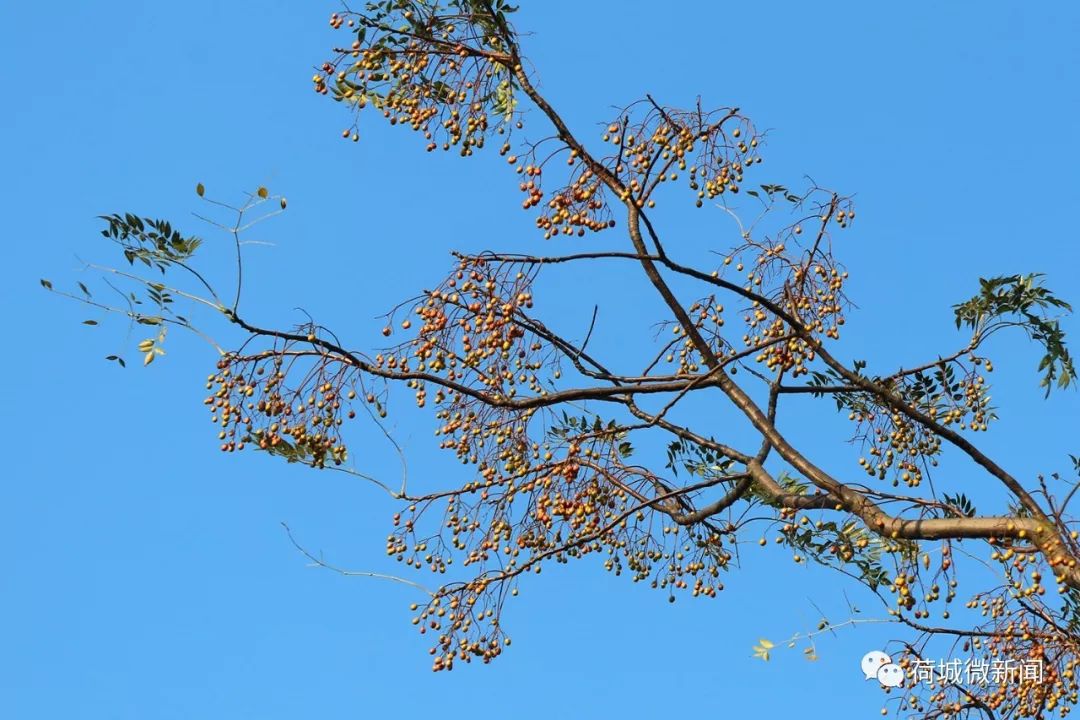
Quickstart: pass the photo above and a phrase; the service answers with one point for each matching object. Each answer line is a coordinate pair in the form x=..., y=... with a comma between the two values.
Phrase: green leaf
x=200, y=190
x=1022, y=301
x=46, y=284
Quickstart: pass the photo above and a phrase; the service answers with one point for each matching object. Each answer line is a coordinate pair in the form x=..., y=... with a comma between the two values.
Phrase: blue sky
x=147, y=576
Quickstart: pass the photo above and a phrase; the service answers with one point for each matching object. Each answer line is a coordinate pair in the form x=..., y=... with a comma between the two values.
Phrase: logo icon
x=876, y=664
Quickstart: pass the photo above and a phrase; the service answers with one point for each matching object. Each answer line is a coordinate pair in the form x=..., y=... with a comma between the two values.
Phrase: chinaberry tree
x=545, y=429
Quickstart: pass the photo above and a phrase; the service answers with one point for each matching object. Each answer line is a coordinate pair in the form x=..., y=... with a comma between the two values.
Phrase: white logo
x=876, y=664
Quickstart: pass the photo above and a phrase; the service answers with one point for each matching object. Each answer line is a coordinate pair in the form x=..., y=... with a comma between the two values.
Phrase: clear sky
x=146, y=575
